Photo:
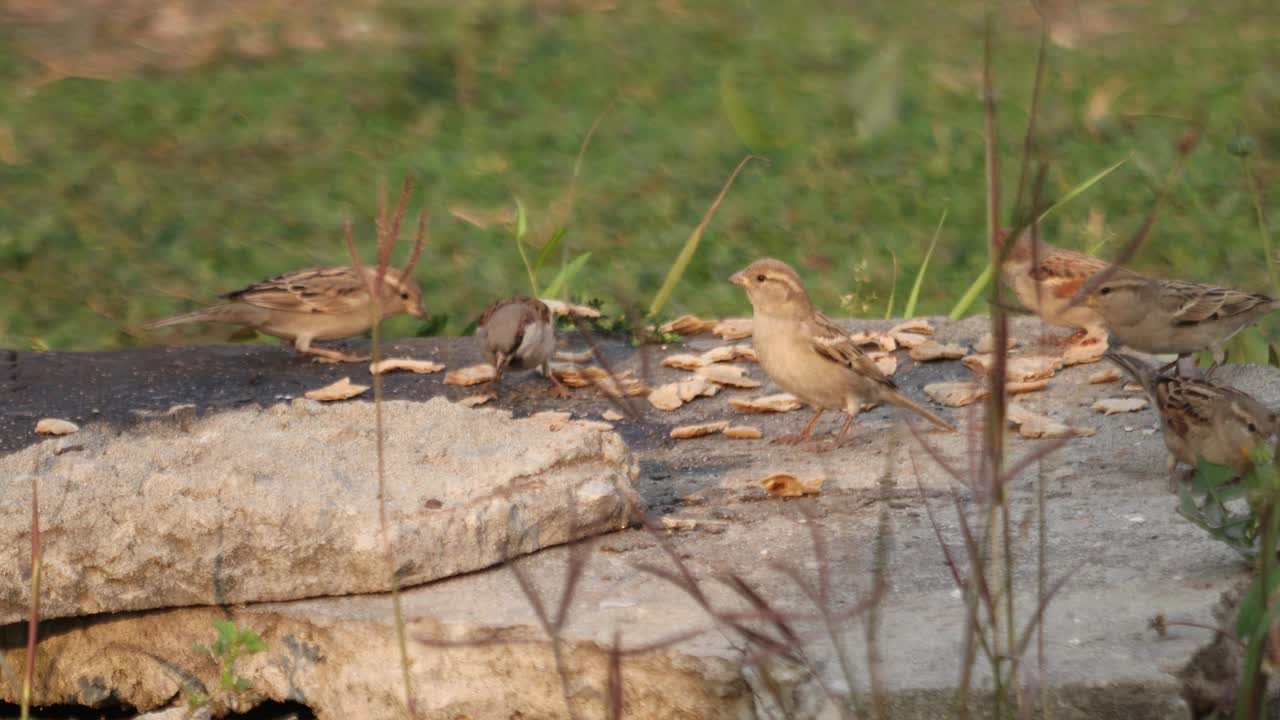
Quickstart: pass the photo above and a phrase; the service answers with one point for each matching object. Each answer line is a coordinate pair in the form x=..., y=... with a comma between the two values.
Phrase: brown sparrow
x=1048, y=285
x=519, y=333
x=1173, y=316
x=805, y=353
x=1203, y=419
x=323, y=303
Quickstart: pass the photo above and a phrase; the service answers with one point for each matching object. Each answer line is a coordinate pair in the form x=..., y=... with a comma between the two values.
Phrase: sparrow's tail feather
x=209, y=314
x=1133, y=367
x=905, y=402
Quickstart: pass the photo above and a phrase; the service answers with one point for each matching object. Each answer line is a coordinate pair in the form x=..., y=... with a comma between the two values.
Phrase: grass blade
x=893, y=286
x=966, y=300
x=522, y=226
x=566, y=275
x=910, y=310
x=691, y=246
x=547, y=249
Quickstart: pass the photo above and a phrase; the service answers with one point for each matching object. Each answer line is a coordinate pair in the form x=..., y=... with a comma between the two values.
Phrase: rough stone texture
x=1110, y=517
x=280, y=504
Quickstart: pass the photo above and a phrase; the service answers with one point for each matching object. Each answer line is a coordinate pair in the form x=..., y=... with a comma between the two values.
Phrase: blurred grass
x=129, y=198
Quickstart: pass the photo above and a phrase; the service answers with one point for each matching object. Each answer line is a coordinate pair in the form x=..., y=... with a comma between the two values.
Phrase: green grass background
x=133, y=197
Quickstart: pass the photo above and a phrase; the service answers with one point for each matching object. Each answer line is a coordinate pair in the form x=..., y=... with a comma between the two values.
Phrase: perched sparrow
x=807, y=355
x=324, y=303
x=1203, y=419
x=1172, y=316
x=1047, y=285
x=519, y=333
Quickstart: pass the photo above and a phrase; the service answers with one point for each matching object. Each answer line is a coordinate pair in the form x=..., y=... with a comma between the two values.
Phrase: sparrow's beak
x=739, y=278
x=1091, y=300
x=419, y=311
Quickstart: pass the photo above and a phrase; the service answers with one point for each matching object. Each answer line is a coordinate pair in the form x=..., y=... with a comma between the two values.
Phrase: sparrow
x=805, y=353
x=1201, y=419
x=1157, y=316
x=519, y=333
x=1046, y=278
x=321, y=303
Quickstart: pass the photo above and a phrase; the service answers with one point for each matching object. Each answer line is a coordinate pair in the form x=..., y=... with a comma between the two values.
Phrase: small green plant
x=568, y=271
x=231, y=644
x=1211, y=501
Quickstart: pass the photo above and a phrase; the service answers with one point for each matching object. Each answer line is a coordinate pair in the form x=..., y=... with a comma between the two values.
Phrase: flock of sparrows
x=807, y=355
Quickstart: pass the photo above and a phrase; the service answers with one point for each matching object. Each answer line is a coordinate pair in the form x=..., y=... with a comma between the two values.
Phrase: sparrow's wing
x=833, y=344
x=1192, y=303
x=326, y=290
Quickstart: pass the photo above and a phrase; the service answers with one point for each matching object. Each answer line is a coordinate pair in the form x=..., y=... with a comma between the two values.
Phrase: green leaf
x=1082, y=187
x=522, y=225
x=910, y=310
x=563, y=278
x=691, y=246
x=549, y=248
x=744, y=121
x=893, y=287
x=522, y=221
x=1250, y=615
x=970, y=295
x=1209, y=477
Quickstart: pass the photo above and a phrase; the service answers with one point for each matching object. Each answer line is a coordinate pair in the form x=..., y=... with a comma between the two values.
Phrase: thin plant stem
x=1269, y=259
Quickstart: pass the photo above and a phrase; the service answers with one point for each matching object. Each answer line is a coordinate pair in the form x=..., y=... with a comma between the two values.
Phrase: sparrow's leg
x=303, y=345
x=838, y=440
x=557, y=388
x=804, y=434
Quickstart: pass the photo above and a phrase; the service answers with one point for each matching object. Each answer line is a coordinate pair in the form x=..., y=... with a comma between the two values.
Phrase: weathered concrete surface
x=1110, y=518
x=279, y=504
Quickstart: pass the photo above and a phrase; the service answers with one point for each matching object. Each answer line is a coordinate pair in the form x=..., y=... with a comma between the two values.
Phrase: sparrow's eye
x=1253, y=428
x=1104, y=291
x=761, y=278
x=404, y=296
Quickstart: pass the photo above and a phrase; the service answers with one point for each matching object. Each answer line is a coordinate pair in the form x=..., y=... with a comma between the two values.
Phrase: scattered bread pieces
x=670, y=522
x=559, y=307
x=688, y=325
x=785, y=484
x=472, y=375
x=1086, y=351
x=1133, y=387
x=478, y=399
x=697, y=386
x=745, y=351
x=421, y=367
x=931, y=349
x=779, y=402
x=1017, y=369
x=574, y=357
x=1111, y=406
x=885, y=342
x=917, y=326
x=1104, y=376
x=686, y=432
x=56, y=426
x=733, y=328
x=729, y=353
x=743, y=432
x=612, y=415
x=666, y=397
x=341, y=390
x=1025, y=386
x=684, y=361
x=730, y=375
x=621, y=386
x=987, y=344
x=1034, y=425
x=594, y=425
x=886, y=361
x=955, y=394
